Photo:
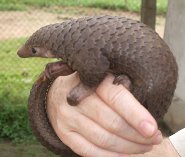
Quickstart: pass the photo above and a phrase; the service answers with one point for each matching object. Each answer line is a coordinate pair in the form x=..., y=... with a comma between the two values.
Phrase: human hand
x=165, y=148
x=110, y=122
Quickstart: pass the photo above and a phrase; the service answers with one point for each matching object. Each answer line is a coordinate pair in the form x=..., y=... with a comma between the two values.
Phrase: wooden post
x=148, y=12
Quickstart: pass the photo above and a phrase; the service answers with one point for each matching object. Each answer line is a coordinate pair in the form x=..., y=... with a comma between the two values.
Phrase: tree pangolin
x=94, y=46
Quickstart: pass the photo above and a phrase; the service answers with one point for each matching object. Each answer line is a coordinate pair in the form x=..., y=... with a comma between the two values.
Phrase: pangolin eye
x=33, y=50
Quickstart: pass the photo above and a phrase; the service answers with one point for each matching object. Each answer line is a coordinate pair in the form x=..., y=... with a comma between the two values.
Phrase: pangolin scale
x=93, y=46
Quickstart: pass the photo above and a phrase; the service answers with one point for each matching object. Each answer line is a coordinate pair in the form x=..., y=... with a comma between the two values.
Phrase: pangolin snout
x=22, y=52
x=19, y=53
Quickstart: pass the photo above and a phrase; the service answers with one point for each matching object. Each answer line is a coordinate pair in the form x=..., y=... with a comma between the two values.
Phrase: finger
x=84, y=148
x=72, y=120
x=104, y=139
x=123, y=102
x=103, y=115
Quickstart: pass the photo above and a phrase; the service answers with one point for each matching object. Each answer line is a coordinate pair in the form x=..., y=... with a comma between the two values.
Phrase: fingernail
x=147, y=128
x=158, y=139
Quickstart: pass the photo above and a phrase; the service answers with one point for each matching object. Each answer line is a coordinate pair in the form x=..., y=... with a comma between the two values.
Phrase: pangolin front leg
x=78, y=93
x=91, y=74
x=53, y=70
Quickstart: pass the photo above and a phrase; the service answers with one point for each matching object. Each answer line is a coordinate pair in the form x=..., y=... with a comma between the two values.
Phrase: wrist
x=161, y=150
x=169, y=148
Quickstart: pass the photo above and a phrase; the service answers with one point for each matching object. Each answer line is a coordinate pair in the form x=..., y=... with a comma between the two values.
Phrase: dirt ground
x=24, y=150
x=17, y=24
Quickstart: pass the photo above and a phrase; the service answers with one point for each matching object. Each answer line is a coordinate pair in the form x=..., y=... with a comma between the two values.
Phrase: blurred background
x=18, y=20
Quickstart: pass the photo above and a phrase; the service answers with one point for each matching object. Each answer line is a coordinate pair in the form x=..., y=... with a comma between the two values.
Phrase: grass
x=16, y=79
x=131, y=5
x=17, y=75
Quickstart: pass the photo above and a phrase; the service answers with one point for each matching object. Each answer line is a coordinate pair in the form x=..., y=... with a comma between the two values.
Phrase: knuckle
x=64, y=112
x=63, y=135
x=87, y=152
x=116, y=125
x=115, y=98
x=68, y=118
x=104, y=141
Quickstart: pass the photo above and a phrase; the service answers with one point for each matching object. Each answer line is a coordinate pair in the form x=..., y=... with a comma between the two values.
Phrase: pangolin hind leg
x=123, y=80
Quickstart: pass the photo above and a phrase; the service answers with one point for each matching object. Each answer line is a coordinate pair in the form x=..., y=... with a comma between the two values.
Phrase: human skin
x=110, y=122
x=164, y=149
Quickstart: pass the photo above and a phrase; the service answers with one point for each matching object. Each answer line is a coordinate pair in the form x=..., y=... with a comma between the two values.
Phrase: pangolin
x=94, y=46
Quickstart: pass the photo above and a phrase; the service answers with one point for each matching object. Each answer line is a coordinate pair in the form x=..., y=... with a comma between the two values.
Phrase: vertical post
x=148, y=12
x=175, y=37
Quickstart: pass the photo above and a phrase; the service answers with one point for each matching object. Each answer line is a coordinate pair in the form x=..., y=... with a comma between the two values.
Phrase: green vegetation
x=17, y=75
x=16, y=78
x=14, y=124
x=131, y=5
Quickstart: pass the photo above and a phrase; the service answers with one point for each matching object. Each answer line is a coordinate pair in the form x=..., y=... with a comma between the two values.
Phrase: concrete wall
x=175, y=37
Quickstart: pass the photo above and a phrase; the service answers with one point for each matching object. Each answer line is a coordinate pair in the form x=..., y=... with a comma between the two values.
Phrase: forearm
x=161, y=150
